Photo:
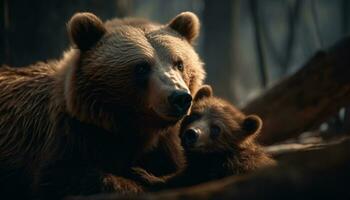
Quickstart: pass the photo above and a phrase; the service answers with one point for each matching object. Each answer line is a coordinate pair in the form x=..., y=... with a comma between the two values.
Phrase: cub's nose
x=190, y=137
x=180, y=101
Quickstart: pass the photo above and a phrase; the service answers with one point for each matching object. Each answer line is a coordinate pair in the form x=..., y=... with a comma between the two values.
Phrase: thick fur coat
x=78, y=124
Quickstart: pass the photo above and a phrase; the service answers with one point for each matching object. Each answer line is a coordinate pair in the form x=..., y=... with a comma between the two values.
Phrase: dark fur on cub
x=218, y=141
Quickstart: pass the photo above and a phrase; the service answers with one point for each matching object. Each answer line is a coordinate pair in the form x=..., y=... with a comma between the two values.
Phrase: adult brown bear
x=78, y=124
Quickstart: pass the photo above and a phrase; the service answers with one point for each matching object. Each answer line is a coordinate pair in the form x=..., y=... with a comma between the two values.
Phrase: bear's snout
x=189, y=137
x=180, y=101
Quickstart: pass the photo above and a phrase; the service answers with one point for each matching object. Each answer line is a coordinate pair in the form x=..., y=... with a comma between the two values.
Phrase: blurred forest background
x=247, y=45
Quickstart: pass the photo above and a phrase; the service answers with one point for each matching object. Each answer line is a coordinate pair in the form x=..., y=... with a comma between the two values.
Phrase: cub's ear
x=187, y=24
x=85, y=30
x=251, y=125
x=203, y=92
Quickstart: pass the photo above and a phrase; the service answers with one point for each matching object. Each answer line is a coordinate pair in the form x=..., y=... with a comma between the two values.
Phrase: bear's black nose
x=190, y=137
x=180, y=101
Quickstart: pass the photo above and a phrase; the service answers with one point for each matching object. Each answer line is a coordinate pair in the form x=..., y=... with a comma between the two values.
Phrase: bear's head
x=127, y=69
x=215, y=125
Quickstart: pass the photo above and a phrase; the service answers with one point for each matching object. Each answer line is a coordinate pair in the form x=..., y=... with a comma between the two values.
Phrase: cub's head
x=215, y=125
x=132, y=66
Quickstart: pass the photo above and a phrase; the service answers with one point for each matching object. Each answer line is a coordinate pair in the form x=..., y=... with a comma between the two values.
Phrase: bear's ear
x=204, y=91
x=85, y=30
x=187, y=24
x=251, y=125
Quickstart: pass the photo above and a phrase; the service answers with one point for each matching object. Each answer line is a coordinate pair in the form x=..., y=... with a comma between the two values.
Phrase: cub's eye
x=179, y=65
x=143, y=68
x=214, y=131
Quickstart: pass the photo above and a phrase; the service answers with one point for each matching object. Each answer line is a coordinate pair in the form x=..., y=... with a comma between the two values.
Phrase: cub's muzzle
x=189, y=137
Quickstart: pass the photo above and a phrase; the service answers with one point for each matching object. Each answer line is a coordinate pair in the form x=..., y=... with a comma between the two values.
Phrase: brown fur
x=232, y=152
x=77, y=125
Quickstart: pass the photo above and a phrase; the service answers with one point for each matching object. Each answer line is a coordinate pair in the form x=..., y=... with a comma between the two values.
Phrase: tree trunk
x=218, y=45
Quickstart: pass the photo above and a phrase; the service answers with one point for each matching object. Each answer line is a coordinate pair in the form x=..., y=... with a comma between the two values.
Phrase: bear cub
x=218, y=140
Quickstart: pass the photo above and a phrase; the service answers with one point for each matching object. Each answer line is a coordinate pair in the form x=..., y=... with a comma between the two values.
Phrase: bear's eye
x=142, y=68
x=179, y=65
x=214, y=131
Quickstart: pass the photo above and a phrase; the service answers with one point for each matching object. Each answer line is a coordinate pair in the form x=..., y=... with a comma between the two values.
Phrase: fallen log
x=317, y=173
x=307, y=98
x=280, y=151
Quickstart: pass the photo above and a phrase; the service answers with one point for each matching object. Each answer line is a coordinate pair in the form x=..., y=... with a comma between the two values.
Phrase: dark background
x=247, y=45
